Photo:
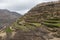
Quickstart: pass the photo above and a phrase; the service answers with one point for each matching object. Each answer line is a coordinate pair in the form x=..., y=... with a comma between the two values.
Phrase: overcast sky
x=20, y=6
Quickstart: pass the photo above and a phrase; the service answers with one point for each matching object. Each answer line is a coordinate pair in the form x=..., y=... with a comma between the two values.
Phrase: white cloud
x=21, y=6
x=3, y=5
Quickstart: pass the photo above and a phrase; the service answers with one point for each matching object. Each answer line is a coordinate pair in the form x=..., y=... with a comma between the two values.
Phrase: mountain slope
x=7, y=17
x=40, y=13
x=43, y=11
x=39, y=23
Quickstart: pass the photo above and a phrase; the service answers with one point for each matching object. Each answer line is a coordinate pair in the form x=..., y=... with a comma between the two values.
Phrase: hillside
x=7, y=17
x=43, y=11
x=41, y=23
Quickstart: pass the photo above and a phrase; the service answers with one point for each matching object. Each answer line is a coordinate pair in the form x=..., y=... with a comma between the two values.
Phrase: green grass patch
x=53, y=25
x=52, y=22
x=26, y=26
x=21, y=27
x=30, y=27
x=8, y=30
x=36, y=24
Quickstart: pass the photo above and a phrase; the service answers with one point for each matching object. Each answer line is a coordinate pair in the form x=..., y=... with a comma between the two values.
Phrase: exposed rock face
x=32, y=20
x=7, y=17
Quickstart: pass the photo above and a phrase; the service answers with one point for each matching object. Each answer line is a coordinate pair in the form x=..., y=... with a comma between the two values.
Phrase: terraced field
x=55, y=22
x=27, y=26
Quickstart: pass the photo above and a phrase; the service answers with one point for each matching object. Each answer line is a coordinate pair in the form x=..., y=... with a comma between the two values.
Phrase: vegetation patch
x=8, y=30
x=36, y=24
x=26, y=26
x=52, y=22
